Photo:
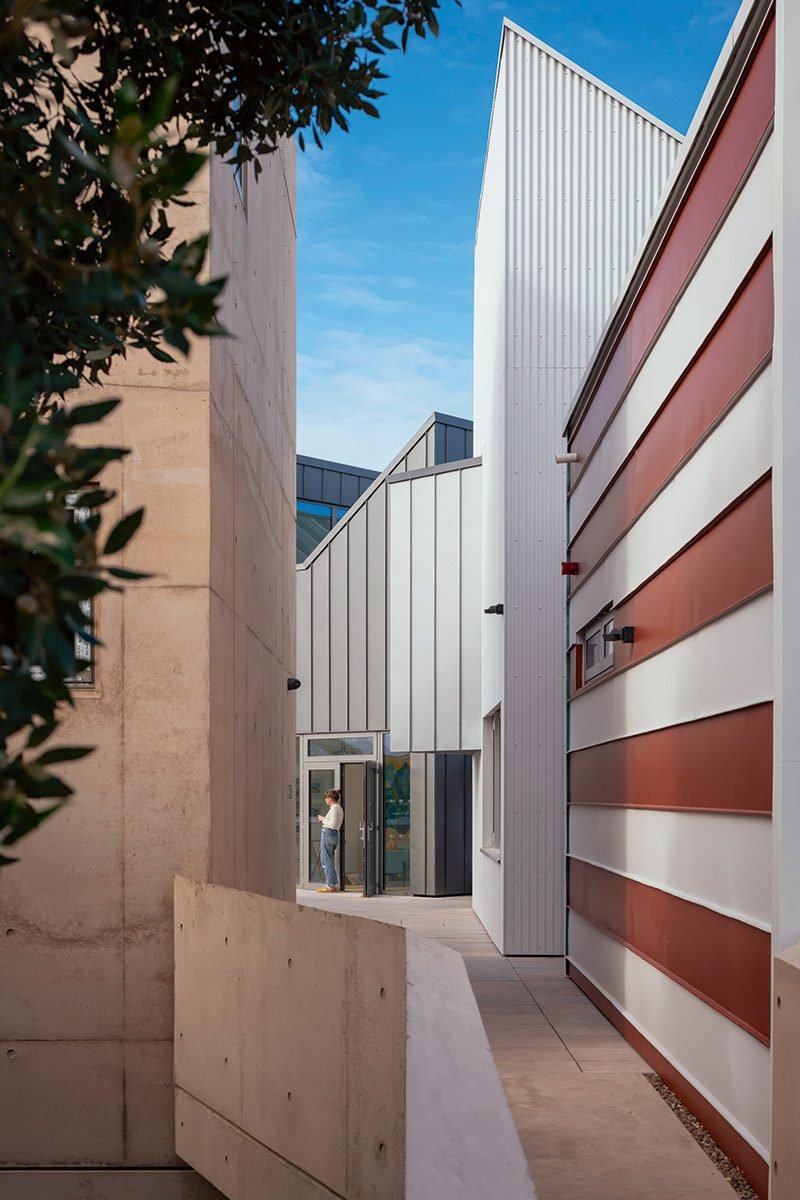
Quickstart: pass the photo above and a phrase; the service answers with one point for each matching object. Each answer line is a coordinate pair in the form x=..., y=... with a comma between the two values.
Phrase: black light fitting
x=625, y=634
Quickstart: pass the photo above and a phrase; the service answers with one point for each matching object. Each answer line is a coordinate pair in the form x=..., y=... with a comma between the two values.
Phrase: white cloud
x=355, y=295
x=362, y=396
x=714, y=12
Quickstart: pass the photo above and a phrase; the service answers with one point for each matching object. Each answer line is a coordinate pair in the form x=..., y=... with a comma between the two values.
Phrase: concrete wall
x=785, y=1156
x=184, y=733
x=252, y=570
x=319, y=1055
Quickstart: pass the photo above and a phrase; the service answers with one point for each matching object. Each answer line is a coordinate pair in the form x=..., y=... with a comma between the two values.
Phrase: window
x=314, y=523
x=598, y=654
x=492, y=774
x=340, y=747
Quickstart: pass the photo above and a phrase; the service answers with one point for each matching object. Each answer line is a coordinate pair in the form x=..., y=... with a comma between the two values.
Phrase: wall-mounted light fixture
x=494, y=610
x=569, y=568
x=625, y=634
x=292, y=684
x=568, y=457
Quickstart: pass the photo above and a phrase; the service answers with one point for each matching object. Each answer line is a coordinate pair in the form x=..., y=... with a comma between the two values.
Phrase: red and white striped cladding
x=728, y=161
x=706, y=297
x=670, y=750
x=735, y=352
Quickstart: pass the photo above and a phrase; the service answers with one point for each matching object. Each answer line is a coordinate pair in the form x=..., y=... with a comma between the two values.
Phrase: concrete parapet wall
x=785, y=1166
x=320, y=1055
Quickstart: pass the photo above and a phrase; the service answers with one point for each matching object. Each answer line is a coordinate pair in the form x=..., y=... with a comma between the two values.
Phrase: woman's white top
x=334, y=817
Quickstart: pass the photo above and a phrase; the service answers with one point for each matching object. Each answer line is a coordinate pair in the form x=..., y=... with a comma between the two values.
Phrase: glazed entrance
x=374, y=852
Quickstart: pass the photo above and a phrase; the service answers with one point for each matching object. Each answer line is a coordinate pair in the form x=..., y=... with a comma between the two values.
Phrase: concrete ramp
x=320, y=1055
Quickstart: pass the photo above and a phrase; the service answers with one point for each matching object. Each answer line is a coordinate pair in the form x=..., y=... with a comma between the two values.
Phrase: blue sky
x=387, y=212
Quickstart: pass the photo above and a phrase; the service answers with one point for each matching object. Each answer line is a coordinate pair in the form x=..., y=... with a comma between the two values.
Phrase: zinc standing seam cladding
x=342, y=600
x=584, y=170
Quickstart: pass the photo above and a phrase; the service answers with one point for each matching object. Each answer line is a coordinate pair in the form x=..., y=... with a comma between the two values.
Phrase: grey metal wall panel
x=574, y=187
x=350, y=488
x=456, y=443
x=430, y=446
x=435, y=552
x=417, y=456
x=339, y=606
x=441, y=824
x=434, y=848
x=419, y=828
x=377, y=634
x=423, y=635
x=447, y=607
x=312, y=483
x=471, y=614
x=400, y=645
x=440, y=445
x=457, y=823
x=320, y=645
x=357, y=567
x=344, y=631
x=304, y=652
x=332, y=487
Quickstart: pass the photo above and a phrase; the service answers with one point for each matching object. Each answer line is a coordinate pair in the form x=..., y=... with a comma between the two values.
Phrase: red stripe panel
x=728, y=564
x=740, y=1152
x=725, y=165
x=723, y=961
x=740, y=343
x=720, y=764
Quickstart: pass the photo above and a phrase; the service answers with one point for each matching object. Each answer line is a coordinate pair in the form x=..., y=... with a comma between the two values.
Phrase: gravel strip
x=704, y=1140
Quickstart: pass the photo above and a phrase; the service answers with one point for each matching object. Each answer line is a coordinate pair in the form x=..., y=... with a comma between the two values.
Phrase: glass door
x=352, y=843
x=360, y=841
x=320, y=781
x=371, y=839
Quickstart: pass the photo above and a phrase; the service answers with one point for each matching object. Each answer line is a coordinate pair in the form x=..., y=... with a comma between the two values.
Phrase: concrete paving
x=591, y=1125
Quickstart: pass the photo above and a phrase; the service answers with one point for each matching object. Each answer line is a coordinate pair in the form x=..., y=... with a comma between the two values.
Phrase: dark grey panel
x=332, y=487
x=364, y=482
x=440, y=445
x=456, y=443
x=300, y=484
x=350, y=492
x=458, y=824
x=312, y=484
x=441, y=824
x=470, y=443
x=418, y=824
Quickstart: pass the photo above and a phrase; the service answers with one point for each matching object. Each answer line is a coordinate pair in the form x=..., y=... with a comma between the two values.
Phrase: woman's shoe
x=325, y=889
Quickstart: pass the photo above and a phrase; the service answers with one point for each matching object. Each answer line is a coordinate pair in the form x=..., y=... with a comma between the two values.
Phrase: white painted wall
x=489, y=357
x=573, y=174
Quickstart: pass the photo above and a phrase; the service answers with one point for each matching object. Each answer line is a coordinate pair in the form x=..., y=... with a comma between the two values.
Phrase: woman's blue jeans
x=328, y=842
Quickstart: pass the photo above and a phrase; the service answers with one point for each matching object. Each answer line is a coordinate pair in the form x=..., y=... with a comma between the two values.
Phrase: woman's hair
x=337, y=795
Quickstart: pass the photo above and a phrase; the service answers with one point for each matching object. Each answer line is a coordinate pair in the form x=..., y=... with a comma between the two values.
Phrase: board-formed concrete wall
x=319, y=1055
x=193, y=727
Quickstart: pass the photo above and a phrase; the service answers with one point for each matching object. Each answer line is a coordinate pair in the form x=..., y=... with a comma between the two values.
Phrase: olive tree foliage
x=107, y=112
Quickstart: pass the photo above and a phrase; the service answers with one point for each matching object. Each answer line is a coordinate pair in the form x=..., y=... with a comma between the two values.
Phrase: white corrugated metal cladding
x=580, y=172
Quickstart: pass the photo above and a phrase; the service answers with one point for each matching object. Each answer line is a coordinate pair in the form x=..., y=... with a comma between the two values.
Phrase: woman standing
x=329, y=838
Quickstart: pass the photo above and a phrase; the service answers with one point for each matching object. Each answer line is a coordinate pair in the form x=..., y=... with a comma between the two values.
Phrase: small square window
x=598, y=653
